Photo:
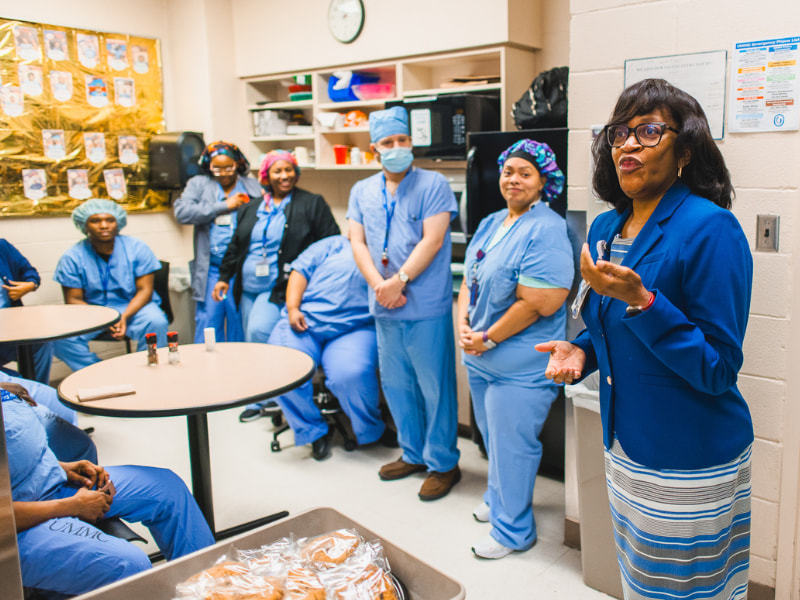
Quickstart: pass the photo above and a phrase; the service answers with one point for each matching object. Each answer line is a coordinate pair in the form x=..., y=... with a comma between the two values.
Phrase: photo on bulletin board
x=77, y=111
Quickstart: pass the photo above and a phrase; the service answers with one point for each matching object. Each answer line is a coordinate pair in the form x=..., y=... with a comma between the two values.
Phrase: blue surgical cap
x=383, y=123
x=95, y=206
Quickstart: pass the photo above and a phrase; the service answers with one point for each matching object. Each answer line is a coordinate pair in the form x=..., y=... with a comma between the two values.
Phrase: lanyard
x=268, y=203
x=479, y=256
x=389, y=210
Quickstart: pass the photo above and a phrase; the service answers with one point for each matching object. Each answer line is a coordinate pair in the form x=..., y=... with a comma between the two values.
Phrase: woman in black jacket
x=269, y=235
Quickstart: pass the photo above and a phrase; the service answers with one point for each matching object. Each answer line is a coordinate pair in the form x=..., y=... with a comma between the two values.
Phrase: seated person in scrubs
x=327, y=317
x=209, y=202
x=19, y=277
x=109, y=269
x=67, y=441
x=269, y=235
x=55, y=504
x=518, y=271
x=400, y=233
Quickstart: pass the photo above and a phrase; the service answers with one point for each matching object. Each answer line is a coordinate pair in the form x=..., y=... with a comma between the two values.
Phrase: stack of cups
x=210, y=338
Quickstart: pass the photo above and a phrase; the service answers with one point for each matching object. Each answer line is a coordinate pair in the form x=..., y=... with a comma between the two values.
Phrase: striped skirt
x=680, y=534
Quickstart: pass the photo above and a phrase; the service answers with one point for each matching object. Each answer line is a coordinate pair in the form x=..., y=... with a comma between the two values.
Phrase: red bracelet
x=649, y=302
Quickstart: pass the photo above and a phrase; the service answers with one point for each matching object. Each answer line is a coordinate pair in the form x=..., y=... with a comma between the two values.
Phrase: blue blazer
x=668, y=375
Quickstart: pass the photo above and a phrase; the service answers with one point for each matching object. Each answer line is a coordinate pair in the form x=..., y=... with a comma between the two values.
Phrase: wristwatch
x=487, y=342
x=403, y=276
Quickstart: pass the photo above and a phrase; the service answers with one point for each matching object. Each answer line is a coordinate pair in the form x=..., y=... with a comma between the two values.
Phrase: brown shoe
x=399, y=469
x=438, y=485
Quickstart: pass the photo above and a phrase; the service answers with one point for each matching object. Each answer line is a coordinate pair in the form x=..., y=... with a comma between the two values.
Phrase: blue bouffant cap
x=95, y=206
x=383, y=123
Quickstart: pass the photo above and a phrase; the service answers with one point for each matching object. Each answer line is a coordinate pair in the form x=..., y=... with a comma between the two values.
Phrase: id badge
x=580, y=299
x=262, y=269
x=224, y=220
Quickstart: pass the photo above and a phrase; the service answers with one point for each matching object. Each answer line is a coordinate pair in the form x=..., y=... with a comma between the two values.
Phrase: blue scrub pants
x=223, y=316
x=42, y=359
x=73, y=557
x=510, y=418
x=350, y=362
x=259, y=317
x=418, y=377
x=150, y=319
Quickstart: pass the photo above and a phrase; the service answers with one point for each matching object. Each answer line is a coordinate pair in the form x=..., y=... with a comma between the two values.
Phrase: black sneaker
x=251, y=414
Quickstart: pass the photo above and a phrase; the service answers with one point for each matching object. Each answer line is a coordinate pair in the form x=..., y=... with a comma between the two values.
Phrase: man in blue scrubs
x=108, y=269
x=55, y=504
x=327, y=317
x=400, y=233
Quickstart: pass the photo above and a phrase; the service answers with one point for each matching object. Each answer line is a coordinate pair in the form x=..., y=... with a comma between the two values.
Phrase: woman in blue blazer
x=665, y=298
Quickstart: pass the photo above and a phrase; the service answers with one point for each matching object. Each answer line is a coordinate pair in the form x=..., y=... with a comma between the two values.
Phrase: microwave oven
x=440, y=124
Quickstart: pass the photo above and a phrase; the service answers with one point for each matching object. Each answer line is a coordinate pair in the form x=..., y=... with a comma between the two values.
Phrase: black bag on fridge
x=544, y=103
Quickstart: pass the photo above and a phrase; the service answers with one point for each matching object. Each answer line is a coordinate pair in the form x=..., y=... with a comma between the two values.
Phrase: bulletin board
x=77, y=110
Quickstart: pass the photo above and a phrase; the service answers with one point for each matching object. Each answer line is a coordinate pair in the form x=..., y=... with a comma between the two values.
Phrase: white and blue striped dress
x=680, y=534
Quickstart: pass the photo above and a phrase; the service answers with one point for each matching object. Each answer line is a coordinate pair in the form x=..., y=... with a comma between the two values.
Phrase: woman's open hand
x=566, y=361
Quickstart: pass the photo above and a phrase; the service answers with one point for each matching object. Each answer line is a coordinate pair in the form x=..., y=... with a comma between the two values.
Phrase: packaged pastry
x=226, y=568
x=303, y=584
x=244, y=587
x=372, y=583
x=331, y=549
x=273, y=559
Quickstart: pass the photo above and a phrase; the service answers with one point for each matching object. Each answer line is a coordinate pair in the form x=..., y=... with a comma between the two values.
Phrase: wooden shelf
x=281, y=138
x=299, y=104
x=413, y=78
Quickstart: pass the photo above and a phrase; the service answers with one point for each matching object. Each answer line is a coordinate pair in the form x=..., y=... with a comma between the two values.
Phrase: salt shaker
x=172, y=342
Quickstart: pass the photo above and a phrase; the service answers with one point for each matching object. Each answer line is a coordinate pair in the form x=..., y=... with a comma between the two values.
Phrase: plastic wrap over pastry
x=302, y=583
x=273, y=559
x=371, y=583
x=330, y=549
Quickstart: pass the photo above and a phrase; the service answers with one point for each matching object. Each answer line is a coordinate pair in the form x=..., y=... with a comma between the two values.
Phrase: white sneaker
x=481, y=513
x=488, y=547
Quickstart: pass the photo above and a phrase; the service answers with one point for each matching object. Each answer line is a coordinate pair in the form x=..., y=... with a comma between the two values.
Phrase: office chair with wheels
x=331, y=411
x=160, y=287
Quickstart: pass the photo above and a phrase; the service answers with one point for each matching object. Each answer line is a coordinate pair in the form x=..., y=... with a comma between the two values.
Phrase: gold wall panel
x=59, y=83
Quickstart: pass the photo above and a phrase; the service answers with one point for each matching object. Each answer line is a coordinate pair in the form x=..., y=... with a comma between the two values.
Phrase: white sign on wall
x=764, y=85
x=701, y=74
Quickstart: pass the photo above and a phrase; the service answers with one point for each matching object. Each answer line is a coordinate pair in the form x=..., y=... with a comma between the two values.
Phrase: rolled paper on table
x=105, y=391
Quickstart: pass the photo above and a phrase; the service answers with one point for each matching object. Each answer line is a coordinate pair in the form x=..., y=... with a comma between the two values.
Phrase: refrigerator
x=483, y=198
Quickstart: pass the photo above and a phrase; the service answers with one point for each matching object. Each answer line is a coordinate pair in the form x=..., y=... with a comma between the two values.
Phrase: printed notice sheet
x=701, y=75
x=764, y=85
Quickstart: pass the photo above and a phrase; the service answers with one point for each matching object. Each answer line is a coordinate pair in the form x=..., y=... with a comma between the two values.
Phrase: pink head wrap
x=270, y=159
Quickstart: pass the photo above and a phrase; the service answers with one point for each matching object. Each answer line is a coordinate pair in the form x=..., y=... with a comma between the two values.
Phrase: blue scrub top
x=335, y=300
x=275, y=222
x=33, y=468
x=420, y=195
x=220, y=235
x=111, y=283
x=536, y=246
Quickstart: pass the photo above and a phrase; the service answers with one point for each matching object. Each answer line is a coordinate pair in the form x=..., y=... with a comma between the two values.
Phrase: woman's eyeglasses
x=223, y=170
x=647, y=134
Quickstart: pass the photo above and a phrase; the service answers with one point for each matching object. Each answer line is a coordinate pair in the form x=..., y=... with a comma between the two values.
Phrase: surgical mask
x=397, y=160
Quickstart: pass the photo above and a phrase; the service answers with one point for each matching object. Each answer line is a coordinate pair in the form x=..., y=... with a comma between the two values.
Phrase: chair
x=160, y=287
x=328, y=405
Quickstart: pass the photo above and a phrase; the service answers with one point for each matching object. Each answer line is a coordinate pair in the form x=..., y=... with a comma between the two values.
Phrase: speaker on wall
x=173, y=158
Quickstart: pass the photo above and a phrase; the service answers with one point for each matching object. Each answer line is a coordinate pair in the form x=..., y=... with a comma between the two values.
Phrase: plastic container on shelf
x=340, y=85
x=374, y=91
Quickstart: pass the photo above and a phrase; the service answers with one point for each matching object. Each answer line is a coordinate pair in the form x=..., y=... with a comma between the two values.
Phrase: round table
x=26, y=325
x=231, y=375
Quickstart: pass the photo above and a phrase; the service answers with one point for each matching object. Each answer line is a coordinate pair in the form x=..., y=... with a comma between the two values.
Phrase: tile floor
x=250, y=481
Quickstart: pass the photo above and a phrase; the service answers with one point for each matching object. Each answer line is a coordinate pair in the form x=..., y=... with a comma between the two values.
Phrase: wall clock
x=345, y=19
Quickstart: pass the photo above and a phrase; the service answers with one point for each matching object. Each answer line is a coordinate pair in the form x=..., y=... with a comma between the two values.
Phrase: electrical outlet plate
x=767, y=228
